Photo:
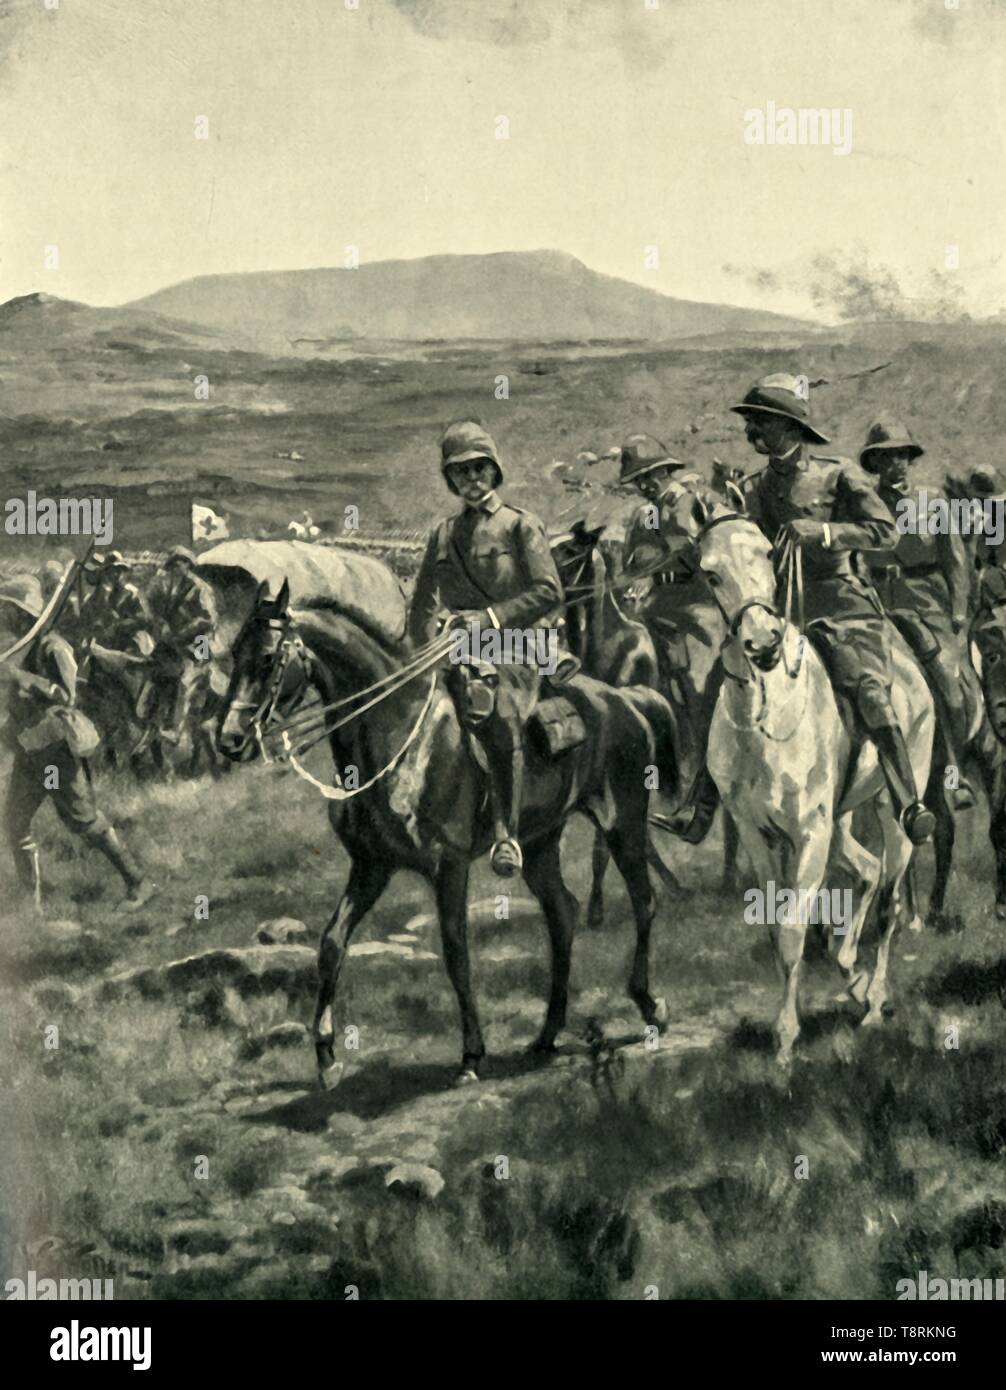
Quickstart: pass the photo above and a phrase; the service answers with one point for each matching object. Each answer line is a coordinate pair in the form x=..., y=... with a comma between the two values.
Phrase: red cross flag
x=206, y=525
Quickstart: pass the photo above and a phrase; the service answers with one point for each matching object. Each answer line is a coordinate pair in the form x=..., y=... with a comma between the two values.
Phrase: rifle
x=50, y=614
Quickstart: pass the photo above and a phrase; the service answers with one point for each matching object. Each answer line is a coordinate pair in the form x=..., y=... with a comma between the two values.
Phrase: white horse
x=791, y=773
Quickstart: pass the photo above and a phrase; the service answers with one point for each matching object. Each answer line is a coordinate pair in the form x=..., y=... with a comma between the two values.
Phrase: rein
x=292, y=644
x=338, y=792
x=792, y=616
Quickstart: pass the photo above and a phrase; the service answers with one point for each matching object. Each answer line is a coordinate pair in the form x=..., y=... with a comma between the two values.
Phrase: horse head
x=269, y=676
x=574, y=553
x=736, y=558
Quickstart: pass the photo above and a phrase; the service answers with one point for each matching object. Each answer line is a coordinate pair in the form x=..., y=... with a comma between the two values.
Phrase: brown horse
x=618, y=649
x=422, y=800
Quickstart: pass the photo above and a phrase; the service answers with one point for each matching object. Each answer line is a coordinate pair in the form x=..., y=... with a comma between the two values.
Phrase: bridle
x=289, y=646
x=794, y=607
x=315, y=730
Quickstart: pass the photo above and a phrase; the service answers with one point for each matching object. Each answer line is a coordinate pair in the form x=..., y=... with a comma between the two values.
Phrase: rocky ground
x=165, y=1128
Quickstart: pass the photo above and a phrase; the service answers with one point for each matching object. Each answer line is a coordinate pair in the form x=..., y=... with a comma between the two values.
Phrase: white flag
x=206, y=525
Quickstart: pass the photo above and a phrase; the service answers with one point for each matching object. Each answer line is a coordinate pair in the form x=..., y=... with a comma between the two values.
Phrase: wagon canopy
x=358, y=585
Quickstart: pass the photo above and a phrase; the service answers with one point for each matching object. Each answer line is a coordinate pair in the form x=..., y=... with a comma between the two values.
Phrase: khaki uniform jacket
x=494, y=557
x=657, y=544
x=116, y=616
x=836, y=491
x=927, y=574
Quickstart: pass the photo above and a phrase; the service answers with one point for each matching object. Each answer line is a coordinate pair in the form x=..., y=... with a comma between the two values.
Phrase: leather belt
x=885, y=572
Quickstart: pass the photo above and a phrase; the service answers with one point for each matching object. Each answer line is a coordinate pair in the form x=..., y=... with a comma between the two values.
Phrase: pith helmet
x=464, y=441
x=24, y=592
x=780, y=394
x=178, y=555
x=887, y=434
x=107, y=560
x=985, y=482
x=641, y=453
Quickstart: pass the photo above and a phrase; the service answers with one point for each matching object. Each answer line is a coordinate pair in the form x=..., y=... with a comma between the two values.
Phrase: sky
x=376, y=126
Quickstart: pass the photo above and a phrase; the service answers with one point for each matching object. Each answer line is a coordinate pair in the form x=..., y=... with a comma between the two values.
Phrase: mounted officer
x=829, y=508
x=924, y=585
x=489, y=563
x=51, y=741
x=658, y=549
x=185, y=612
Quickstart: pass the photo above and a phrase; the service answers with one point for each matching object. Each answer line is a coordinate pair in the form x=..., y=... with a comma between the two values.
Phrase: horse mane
x=330, y=604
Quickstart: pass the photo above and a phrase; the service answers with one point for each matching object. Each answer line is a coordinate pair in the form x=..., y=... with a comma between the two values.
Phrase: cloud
x=640, y=35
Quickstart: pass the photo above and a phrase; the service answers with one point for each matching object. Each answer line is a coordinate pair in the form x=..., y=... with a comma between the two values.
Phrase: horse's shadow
x=967, y=982
x=375, y=1089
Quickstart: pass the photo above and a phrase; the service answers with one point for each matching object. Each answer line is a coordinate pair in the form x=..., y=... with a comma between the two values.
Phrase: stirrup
x=506, y=858
x=918, y=822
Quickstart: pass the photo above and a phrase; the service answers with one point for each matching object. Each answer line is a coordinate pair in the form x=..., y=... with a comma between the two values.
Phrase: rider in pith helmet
x=828, y=507
x=642, y=456
x=784, y=396
x=658, y=549
x=924, y=586
x=489, y=563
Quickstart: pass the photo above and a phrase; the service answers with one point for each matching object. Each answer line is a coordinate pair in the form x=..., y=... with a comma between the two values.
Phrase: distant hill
x=535, y=296
x=44, y=321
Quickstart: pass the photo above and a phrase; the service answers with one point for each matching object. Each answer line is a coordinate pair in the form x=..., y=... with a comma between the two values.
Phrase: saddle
x=554, y=727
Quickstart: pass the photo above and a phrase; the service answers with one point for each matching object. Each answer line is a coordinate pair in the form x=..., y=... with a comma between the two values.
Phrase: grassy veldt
x=117, y=416
x=173, y=1140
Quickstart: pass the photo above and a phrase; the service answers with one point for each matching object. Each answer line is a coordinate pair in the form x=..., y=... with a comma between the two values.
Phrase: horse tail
x=650, y=705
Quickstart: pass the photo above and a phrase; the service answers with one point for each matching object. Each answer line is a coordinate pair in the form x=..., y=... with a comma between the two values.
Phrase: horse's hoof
x=329, y=1077
x=916, y=924
x=661, y=1013
x=465, y=1077
x=873, y=1018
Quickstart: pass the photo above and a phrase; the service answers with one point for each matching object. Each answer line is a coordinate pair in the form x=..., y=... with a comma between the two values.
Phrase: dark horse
x=617, y=649
x=422, y=799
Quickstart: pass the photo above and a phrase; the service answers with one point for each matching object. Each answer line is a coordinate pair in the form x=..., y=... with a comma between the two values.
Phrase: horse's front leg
x=598, y=866
x=543, y=874
x=991, y=759
x=367, y=881
x=452, y=905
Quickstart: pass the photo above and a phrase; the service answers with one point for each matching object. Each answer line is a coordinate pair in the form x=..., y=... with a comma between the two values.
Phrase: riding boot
x=914, y=817
x=28, y=870
x=139, y=889
x=506, y=858
x=953, y=717
x=691, y=821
